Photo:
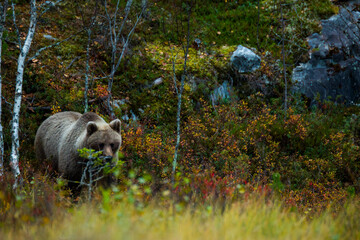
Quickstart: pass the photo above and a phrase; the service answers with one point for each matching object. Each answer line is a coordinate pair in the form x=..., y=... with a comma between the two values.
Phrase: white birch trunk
x=179, y=95
x=14, y=156
x=178, y=122
x=87, y=71
x=3, y=9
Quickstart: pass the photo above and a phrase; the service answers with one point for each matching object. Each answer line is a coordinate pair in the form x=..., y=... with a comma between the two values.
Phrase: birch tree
x=179, y=92
x=87, y=70
x=283, y=56
x=21, y=62
x=89, y=23
x=115, y=29
x=3, y=10
x=24, y=50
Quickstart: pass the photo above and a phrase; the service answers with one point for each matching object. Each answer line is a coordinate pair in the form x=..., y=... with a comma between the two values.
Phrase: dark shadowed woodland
x=239, y=119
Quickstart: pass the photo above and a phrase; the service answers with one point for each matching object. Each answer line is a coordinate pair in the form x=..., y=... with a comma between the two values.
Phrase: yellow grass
x=243, y=220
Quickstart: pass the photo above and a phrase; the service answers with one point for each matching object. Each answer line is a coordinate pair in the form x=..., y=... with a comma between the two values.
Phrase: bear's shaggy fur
x=61, y=135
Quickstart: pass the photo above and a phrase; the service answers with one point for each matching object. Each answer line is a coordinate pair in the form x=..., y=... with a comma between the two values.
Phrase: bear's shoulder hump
x=90, y=116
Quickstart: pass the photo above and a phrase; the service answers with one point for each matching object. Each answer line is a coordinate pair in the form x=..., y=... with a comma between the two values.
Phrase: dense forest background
x=134, y=60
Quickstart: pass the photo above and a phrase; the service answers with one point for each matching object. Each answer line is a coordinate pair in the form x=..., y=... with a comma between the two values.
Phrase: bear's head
x=104, y=137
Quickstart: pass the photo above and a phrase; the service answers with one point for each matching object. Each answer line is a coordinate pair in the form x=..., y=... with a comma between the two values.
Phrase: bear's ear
x=91, y=127
x=116, y=125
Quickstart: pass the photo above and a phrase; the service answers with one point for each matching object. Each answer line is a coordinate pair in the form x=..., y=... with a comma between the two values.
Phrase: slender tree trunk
x=178, y=126
x=258, y=26
x=144, y=4
x=179, y=95
x=283, y=56
x=3, y=9
x=109, y=98
x=14, y=157
x=87, y=71
x=88, y=27
x=179, y=92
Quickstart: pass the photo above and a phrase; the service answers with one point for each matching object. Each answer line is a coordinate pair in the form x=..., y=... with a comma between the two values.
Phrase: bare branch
x=47, y=5
x=93, y=171
x=15, y=25
x=115, y=20
x=110, y=23
x=51, y=46
x=72, y=62
x=174, y=73
x=128, y=38
x=114, y=39
x=127, y=11
x=10, y=104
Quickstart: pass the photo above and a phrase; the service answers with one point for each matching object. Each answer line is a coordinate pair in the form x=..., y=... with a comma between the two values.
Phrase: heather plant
x=148, y=151
x=315, y=197
x=250, y=144
x=231, y=139
x=253, y=141
x=39, y=200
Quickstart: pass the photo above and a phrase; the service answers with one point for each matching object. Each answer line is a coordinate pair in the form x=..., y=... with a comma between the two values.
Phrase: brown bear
x=60, y=136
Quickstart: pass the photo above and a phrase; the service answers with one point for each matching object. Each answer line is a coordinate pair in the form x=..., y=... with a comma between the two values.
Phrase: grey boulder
x=244, y=60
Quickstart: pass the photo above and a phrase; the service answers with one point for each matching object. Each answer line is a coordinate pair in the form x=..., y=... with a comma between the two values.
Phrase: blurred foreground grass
x=253, y=219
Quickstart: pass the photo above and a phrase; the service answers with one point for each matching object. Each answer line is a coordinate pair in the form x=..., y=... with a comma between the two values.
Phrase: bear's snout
x=107, y=151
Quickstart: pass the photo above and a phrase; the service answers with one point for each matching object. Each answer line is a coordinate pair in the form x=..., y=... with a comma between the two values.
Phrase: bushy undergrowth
x=226, y=147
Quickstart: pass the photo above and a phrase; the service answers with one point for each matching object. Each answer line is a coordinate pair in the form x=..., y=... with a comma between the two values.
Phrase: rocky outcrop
x=221, y=94
x=244, y=60
x=333, y=70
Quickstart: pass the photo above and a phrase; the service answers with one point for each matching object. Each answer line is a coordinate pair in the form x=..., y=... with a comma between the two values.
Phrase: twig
x=128, y=38
x=72, y=62
x=115, y=62
x=49, y=4
x=52, y=45
x=173, y=62
x=91, y=170
x=15, y=25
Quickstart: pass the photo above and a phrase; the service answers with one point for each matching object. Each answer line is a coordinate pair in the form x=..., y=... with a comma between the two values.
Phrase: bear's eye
x=114, y=146
x=101, y=145
x=95, y=147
